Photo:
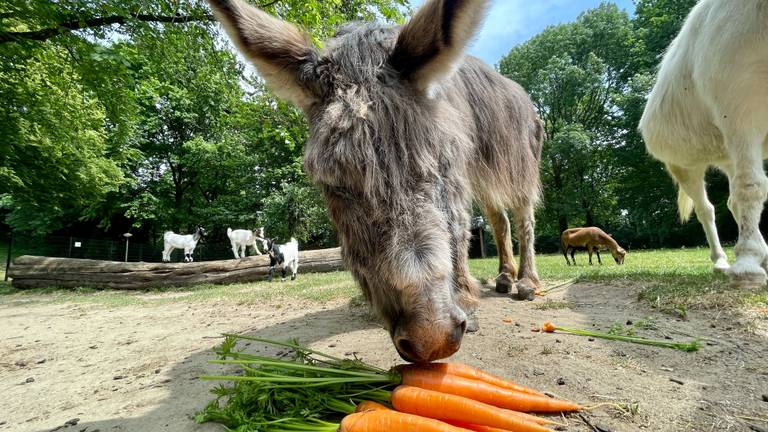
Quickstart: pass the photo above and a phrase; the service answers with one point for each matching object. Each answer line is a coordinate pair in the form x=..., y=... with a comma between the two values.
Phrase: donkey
x=708, y=108
x=241, y=239
x=284, y=255
x=591, y=238
x=187, y=242
x=404, y=130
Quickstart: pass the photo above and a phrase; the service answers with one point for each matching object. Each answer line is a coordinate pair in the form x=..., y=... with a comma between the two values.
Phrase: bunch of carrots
x=313, y=391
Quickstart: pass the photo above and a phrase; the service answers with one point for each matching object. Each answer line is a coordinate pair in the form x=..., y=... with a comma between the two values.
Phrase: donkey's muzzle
x=429, y=343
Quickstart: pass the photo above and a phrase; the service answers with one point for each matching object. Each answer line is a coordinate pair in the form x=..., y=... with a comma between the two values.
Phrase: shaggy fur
x=709, y=108
x=404, y=131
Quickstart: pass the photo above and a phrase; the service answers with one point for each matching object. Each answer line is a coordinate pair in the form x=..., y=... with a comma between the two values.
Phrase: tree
x=153, y=123
x=573, y=73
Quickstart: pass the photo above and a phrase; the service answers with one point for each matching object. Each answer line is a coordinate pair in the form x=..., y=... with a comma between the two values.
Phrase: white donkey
x=241, y=239
x=187, y=242
x=709, y=107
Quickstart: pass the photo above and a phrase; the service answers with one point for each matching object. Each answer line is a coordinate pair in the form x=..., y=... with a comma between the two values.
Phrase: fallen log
x=39, y=272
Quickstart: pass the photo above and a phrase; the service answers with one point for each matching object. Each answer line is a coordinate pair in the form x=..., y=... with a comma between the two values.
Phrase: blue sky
x=511, y=22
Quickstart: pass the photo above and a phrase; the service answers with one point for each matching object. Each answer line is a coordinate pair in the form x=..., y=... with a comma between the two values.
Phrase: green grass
x=674, y=281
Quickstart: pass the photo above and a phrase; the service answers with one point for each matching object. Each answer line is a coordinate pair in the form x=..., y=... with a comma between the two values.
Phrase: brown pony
x=591, y=238
x=404, y=130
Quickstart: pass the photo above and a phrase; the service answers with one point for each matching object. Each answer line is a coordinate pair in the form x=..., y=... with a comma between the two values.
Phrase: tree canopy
x=136, y=115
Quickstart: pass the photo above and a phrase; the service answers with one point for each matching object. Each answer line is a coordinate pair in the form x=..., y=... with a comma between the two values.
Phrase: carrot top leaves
x=682, y=346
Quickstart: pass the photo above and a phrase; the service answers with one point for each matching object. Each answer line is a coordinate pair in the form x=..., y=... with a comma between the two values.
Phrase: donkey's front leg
x=525, y=224
x=503, y=236
x=749, y=189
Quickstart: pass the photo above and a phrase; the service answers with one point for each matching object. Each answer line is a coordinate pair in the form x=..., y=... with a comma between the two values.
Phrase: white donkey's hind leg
x=749, y=189
x=691, y=182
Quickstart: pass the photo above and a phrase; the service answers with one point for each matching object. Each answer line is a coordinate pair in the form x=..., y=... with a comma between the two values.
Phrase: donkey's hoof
x=722, y=266
x=526, y=290
x=745, y=274
x=504, y=283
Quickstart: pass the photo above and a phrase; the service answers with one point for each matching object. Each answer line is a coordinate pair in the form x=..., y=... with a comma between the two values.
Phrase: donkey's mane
x=404, y=138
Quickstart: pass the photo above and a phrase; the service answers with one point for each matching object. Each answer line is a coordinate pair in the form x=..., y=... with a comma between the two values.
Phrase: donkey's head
x=389, y=153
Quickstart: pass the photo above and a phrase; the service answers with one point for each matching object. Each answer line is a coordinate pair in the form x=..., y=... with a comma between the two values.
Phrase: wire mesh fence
x=208, y=249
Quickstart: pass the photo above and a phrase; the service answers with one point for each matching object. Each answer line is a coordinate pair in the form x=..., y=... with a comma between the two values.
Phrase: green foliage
x=589, y=80
x=136, y=115
x=297, y=210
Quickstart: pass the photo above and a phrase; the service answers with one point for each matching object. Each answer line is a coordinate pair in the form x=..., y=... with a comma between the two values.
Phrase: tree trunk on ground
x=39, y=272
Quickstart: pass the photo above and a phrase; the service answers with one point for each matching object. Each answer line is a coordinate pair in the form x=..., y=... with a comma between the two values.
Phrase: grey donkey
x=404, y=130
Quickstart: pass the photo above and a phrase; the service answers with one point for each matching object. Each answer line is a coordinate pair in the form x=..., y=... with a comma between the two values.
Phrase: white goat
x=187, y=242
x=241, y=239
x=285, y=255
x=709, y=107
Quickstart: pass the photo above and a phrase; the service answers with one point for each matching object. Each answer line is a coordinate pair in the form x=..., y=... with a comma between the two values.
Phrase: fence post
x=69, y=254
x=8, y=259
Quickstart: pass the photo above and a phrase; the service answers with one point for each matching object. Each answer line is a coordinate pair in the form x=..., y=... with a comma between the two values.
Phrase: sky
x=511, y=22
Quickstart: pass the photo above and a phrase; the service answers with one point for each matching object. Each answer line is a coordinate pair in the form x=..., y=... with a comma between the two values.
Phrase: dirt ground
x=135, y=368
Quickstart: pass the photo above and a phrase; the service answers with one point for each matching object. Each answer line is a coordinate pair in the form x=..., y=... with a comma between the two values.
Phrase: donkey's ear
x=432, y=43
x=283, y=55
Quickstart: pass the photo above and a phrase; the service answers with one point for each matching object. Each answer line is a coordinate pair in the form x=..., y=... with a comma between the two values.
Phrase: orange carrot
x=449, y=407
x=477, y=428
x=484, y=392
x=371, y=406
x=392, y=421
x=470, y=372
x=548, y=327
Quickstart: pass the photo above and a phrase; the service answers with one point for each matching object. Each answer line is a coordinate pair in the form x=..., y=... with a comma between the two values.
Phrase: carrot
x=449, y=407
x=391, y=421
x=470, y=372
x=371, y=406
x=477, y=428
x=484, y=392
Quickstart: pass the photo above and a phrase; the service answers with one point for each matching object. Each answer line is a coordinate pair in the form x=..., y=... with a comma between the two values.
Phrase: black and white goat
x=187, y=242
x=285, y=255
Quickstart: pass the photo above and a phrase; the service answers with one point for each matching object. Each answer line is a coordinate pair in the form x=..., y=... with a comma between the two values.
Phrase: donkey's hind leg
x=503, y=236
x=691, y=181
x=525, y=224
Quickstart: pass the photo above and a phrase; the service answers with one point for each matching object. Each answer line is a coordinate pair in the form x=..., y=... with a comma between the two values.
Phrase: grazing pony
x=709, y=108
x=404, y=130
x=241, y=239
x=187, y=242
x=284, y=255
x=591, y=238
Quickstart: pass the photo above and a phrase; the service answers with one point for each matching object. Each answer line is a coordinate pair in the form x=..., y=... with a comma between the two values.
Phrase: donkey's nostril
x=406, y=349
x=458, y=332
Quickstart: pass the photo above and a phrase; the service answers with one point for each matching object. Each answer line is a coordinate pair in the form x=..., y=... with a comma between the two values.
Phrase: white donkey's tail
x=229, y=232
x=684, y=205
